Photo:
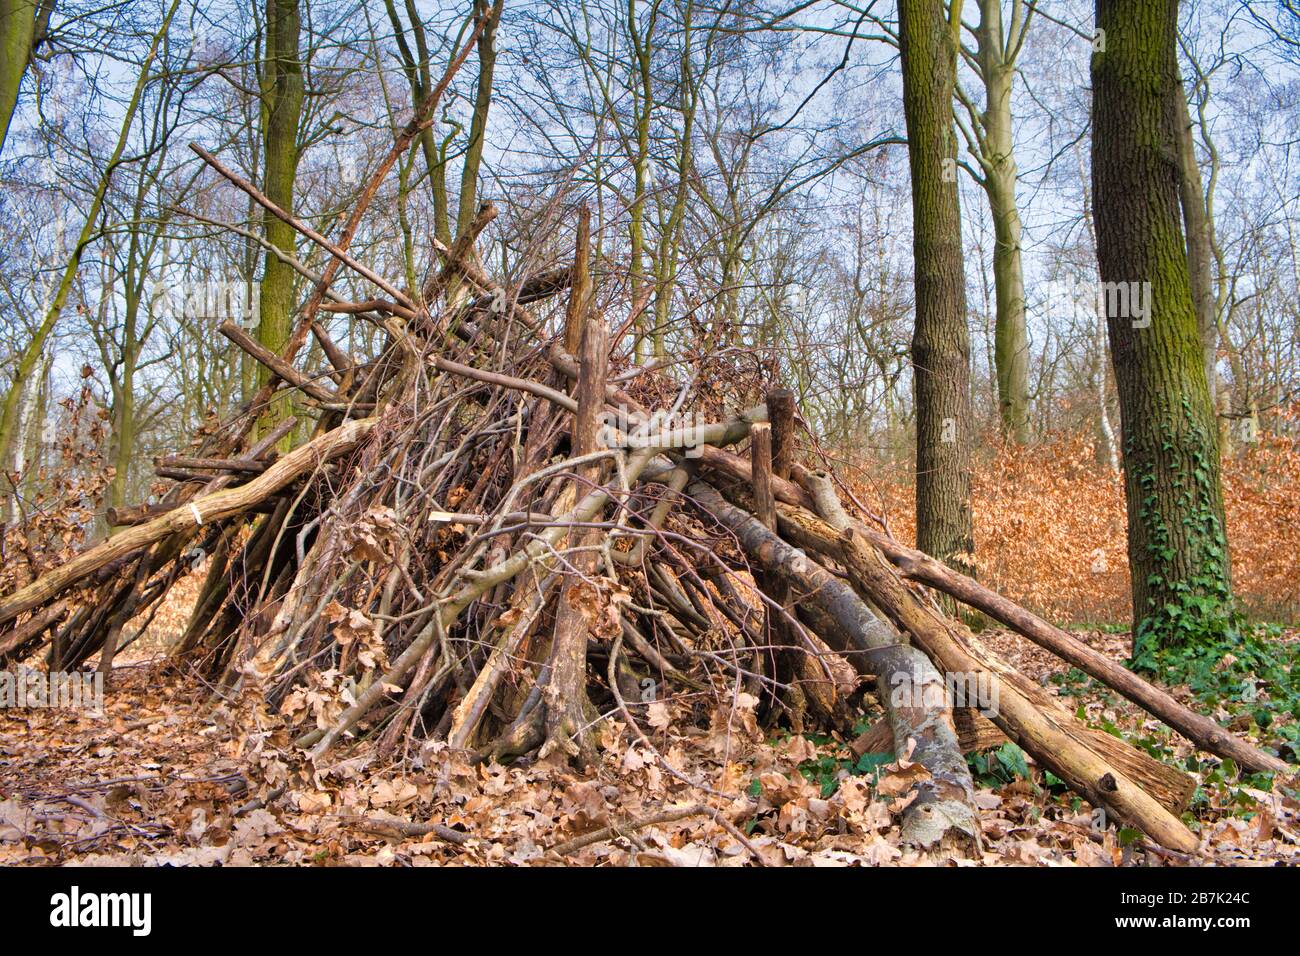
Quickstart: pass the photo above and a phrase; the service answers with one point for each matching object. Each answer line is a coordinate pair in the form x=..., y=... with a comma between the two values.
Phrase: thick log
x=139, y=514
x=200, y=511
x=545, y=285
x=183, y=475
x=1047, y=732
x=533, y=289
x=792, y=665
x=367, y=306
x=780, y=412
x=761, y=465
x=190, y=463
x=1201, y=730
x=907, y=682
x=1204, y=732
x=568, y=710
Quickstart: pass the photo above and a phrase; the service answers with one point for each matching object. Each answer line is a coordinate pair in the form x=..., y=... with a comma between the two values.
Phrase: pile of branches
x=498, y=532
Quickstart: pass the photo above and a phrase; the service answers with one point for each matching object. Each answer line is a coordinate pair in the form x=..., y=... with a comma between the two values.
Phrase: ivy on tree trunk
x=1178, y=553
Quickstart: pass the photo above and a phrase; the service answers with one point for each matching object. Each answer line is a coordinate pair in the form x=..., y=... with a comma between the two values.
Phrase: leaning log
x=909, y=688
x=139, y=514
x=1199, y=729
x=200, y=511
x=1047, y=732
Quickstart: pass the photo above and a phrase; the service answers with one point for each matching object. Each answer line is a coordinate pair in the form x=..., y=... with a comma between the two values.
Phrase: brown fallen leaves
x=163, y=777
x=1050, y=525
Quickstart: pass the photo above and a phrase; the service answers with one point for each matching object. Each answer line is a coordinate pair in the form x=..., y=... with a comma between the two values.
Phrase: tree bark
x=569, y=713
x=1178, y=554
x=909, y=688
x=1196, y=223
x=22, y=26
x=282, y=99
x=487, y=58
x=1011, y=337
x=941, y=340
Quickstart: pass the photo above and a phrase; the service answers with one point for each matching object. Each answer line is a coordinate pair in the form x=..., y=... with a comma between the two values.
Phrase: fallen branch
x=198, y=512
x=654, y=819
x=395, y=827
x=1048, y=734
x=906, y=682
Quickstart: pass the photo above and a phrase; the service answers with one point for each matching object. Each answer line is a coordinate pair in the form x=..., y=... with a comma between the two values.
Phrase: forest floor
x=164, y=777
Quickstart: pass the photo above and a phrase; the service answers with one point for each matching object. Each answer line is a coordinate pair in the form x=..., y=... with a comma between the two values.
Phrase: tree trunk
x=22, y=26
x=1178, y=552
x=487, y=58
x=122, y=443
x=282, y=97
x=1011, y=338
x=941, y=340
x=569, y=713
x=28, y=437
x=1196, y=221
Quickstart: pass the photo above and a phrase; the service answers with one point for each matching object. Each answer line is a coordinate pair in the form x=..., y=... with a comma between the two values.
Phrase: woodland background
x=743, y=159
x=690, y=204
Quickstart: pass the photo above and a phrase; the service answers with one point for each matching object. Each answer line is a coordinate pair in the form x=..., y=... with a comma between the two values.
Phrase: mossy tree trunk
x=1196, y=221
x=941, y=340
x=282, y=98
x=22, y=27
x=467, y=204
x=1178, y=554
